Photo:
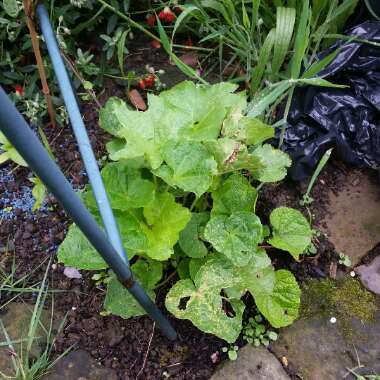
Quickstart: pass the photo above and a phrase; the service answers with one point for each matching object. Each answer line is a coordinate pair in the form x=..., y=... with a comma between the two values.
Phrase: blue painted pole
x=81, y=136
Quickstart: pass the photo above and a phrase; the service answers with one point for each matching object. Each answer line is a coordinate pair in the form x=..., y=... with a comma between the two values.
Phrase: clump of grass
x=25, y=366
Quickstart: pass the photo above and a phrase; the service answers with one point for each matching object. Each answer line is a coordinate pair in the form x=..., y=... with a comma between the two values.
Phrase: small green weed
x=256, y=333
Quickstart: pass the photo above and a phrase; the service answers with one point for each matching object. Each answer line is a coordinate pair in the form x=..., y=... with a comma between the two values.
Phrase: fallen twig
x=147, y=351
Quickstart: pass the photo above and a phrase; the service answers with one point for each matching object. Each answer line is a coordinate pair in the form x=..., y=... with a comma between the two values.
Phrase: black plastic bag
x=347, y=119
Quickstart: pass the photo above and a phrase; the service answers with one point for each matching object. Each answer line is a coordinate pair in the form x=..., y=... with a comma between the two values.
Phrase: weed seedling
x=344, y=260
x=231, y=351
x=256, y=333
x=307, y=199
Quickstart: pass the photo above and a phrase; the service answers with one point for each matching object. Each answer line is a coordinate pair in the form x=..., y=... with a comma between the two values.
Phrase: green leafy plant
x=256, y=333
x=184, y=187
x=232, y=352
x=307, y=199
x=344, y=260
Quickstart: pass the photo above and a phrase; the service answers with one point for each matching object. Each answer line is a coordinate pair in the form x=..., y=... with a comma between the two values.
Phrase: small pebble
x=333, y=320
x=352, y=273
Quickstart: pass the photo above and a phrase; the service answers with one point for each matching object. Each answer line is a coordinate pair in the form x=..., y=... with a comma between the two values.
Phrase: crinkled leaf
x=125, y=187
x=204, y=308
x=136, y=128
x=190, y=238
x=120, y=302
x=185, y=112
x=205, y=107
x=235, y=194
x=201, y=301
x=237, y=236
x=76, y=251
x=188, y=165
x=280, y=306
x=256, y=131
x=291, y=231
x=132, y=232
x=108, y=116
x=224, y=150
x=274, y=164
x=165, y=220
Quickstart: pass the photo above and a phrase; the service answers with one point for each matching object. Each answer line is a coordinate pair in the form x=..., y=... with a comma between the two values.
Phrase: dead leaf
x=137, y=100
x=190, y=59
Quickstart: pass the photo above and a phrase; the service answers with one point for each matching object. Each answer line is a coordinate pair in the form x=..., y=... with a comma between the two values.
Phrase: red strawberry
x=151, y=20
x=19, y=90
x=166, y=15
x=149, y=81
x=170, y=16
x=141, y=84
x=156, y=44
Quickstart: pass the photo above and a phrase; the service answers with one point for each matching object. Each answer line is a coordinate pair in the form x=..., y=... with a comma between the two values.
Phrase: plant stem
x=40, y=65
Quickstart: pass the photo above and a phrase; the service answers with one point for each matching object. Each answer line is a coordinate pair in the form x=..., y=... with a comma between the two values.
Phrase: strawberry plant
x=183, y=186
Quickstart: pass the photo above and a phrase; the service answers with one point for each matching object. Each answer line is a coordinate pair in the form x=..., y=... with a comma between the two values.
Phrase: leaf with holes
x=202, y=302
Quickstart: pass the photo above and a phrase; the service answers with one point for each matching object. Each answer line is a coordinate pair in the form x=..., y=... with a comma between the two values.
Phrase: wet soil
x=30, y=239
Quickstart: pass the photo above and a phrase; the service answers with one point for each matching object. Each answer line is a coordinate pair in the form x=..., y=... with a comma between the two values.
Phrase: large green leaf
x=201, y=301
x=235, y=194
x=125, y=187
x=137, y=129
x=185, y=112
x=190, y=238
x=273, y=164
x=76, y=251
x=236, y=236
x=11, y=7
x=291, y=231
x=280, y=306
x=120, y=302
x=132, y=232
x=188, y=165
x=165, y=219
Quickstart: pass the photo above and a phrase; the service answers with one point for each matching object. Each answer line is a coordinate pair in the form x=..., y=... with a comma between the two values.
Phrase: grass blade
x=286, y=18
